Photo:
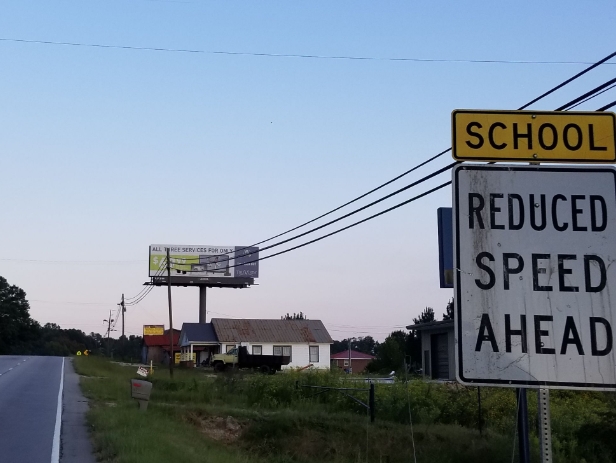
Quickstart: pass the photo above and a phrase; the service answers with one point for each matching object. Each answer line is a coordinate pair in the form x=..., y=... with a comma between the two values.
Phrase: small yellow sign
x=534, y=136
x=78, y=352
x=86, y=352
x=153, y=330
x=177, y=358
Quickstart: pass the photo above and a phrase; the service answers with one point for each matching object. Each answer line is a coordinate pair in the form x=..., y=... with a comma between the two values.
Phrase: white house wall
x=300, y=353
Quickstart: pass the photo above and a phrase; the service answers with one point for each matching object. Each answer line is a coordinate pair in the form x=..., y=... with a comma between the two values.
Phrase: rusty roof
x=259, y=330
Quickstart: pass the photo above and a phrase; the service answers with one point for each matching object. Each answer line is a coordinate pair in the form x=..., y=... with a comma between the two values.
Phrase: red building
x=156, y=347
x=357, y=363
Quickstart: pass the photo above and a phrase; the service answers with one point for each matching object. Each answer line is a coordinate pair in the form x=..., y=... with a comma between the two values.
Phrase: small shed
x=356, y=362
x=199, y=339
x=438, y=349
x=156, y=348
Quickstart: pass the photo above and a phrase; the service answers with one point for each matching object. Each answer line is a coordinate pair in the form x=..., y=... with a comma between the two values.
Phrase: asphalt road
x=29, y=389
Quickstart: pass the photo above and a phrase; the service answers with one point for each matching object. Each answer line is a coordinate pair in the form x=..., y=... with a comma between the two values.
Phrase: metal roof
x=431, y=325
x=198, y=332
x=355, y=355
x=258, y=330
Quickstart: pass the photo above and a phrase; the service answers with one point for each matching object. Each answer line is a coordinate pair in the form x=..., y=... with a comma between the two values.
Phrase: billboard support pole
x=202, y=303
x=172, y=355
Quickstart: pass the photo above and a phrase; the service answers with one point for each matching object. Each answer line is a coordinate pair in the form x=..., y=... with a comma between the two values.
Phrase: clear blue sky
x=104, y=151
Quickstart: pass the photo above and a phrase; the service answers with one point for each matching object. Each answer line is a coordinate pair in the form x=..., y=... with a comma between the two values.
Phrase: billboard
x=153, y=330
x=205, y=261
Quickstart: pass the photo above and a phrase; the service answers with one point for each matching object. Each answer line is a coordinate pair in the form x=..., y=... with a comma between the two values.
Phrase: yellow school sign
x=527, y=136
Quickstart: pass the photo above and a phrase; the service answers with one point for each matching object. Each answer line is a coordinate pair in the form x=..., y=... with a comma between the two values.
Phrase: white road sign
x=535, y=288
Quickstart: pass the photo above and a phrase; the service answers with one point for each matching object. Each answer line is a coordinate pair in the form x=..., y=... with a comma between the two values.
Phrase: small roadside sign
x=527, y=136
x=535, y=284
x=142, y=372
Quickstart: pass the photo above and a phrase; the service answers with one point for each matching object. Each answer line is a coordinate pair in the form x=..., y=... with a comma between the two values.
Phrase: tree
x=426, y=316
x=448, y=315
x=17, y=329
x=295, y=316
x=366, y=344
x=390, y=354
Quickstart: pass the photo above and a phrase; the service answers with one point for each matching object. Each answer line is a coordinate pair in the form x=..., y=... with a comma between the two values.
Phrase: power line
x=70, y=302
x=401, y=190
x=433, y=174
x=571, y=79
x=607, y=106
x=586, y=96
x=426, y=193
x=146, y=289
x=72, y=262
x=287, y=55
x=372, y=216
x=593, y=96
x=549, y=92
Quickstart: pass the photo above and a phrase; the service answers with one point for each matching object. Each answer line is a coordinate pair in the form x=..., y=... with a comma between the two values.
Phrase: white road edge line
x=55, y=450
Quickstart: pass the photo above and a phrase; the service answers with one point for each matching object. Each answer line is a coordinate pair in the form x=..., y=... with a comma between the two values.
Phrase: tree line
x=22, y=335
x=399, y=349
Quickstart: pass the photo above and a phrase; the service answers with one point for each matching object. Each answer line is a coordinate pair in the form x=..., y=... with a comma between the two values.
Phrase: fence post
x=371, y=402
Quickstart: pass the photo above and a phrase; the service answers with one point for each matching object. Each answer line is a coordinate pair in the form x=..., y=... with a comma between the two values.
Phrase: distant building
x=358, y=360
x=156, y=348
x=437, y=348
x=199, y=339
x=307, y=342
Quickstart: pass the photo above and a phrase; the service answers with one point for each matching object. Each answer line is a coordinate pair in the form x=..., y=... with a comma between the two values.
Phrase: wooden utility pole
x=123, y=310
x=109, y=321
x=350, y=366
x=171, y=356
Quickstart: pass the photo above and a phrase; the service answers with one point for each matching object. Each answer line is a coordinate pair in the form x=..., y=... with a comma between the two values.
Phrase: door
x=440, y=360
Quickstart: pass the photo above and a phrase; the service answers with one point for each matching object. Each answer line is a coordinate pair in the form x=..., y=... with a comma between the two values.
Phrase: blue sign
x=445, y=247
x=245, y=265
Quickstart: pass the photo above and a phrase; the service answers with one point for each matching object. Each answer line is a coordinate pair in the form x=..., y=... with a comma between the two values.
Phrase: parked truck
x=240, y=358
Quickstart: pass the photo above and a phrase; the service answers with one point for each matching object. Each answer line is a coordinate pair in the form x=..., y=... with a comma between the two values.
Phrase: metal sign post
x=545, y=429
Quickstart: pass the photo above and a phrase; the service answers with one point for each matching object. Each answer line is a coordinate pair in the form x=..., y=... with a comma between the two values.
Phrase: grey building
x=437, y=349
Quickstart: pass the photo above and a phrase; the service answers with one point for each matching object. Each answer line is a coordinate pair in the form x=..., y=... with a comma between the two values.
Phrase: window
x=283, y=350
x=257, y=350
x=314, y=354
x=346, y=363
x=230, y=347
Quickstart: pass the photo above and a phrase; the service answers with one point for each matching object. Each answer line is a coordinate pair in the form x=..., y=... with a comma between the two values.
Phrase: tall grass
x=286, y=423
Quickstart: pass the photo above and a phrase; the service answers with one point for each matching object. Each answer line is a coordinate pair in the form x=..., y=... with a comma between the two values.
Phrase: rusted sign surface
x=535, y=288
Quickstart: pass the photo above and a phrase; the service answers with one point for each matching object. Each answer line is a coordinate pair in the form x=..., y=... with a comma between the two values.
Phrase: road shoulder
x=76, y=443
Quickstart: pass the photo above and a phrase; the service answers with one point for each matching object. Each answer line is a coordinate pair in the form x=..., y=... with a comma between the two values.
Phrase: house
x=198, y=339
x=355, y=363
x=437, y=348
x=307, y=342
x=155, y=347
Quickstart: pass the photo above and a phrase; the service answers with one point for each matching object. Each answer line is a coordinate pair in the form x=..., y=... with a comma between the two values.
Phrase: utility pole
x=109, y=322
x=123, y=341
x=123, y=310
x=350, y=367
x=171, y=356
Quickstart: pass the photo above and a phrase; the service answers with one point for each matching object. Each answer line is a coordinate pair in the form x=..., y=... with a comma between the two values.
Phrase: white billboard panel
x=535, y=288
x=204, y=261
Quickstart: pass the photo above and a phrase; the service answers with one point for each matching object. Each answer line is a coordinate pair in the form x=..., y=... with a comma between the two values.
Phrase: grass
x=257, y=418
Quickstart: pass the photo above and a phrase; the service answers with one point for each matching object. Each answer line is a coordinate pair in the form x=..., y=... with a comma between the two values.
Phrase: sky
x=219, y=137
